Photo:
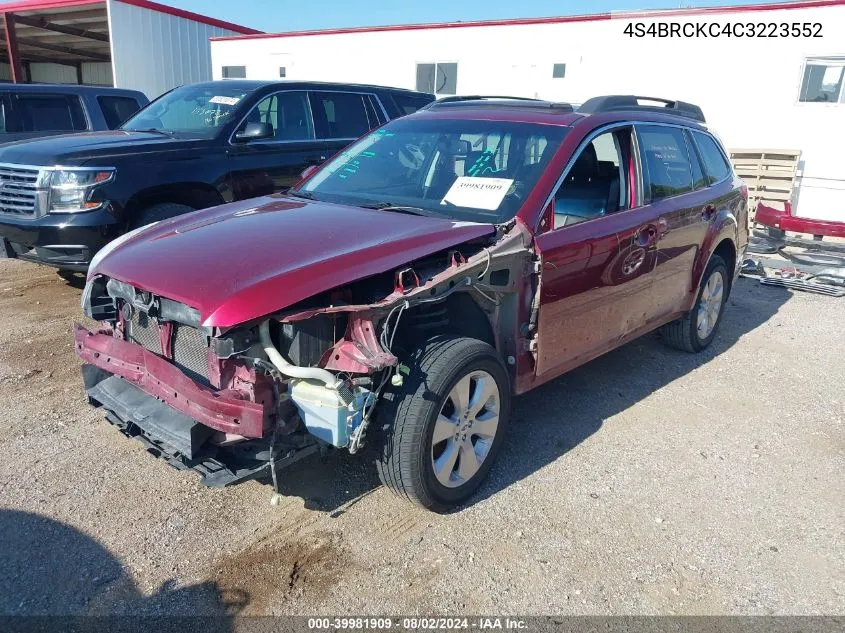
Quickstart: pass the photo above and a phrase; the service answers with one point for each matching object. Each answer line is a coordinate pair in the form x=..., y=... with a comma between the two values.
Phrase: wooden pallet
x=769, y=174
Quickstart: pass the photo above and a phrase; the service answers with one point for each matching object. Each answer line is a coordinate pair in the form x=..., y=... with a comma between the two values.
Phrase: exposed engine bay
x=243, y=402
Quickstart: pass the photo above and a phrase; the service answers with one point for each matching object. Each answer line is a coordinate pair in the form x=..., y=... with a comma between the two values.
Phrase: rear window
x=715, y=163
x=666, y=162
x=50, y=113
x=408, y=104
x=116, y=110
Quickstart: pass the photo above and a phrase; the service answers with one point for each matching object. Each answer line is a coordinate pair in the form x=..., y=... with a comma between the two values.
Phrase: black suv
x=196, y=146
x=32, y=110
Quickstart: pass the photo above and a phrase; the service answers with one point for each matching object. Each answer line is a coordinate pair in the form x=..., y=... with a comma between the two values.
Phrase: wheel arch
x=197, y=195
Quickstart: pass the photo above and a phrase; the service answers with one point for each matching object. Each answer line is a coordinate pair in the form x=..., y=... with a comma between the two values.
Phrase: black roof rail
x=613, y=103
x=520, y=102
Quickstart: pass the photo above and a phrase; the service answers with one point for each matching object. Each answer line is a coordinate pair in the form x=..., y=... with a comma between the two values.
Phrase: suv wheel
x=446, y=423
x=159, y=212
x=697, y=328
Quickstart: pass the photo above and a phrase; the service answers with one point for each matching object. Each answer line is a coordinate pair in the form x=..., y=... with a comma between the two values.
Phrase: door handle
x=646, y=236
x=709, y=213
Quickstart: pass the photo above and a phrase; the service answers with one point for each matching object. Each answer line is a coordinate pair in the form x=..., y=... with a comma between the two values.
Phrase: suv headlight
x=71, y=189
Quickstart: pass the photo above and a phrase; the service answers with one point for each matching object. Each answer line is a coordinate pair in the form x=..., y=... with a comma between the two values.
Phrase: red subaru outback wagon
x=402, y=293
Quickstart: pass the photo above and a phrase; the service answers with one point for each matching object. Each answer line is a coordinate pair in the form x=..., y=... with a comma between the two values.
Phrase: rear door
x=266, y=166
x=342, y=117
x=597, y=260
x=675, y=191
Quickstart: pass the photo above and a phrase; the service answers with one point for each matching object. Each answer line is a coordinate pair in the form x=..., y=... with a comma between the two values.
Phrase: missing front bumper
x=224, y=411
x=183, y=442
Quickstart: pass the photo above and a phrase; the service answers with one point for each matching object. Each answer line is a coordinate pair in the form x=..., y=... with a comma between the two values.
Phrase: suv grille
x=190, y=346
x=18, y=190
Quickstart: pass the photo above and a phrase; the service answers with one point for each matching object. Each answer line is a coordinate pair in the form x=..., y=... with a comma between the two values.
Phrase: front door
x=597, y=260
x=266, y=166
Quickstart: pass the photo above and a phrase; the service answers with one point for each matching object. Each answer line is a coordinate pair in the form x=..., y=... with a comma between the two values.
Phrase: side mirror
x=308, y=171
x=255, y=132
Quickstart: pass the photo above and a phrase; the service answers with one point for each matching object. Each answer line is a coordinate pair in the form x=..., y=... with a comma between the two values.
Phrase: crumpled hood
x=241, y=261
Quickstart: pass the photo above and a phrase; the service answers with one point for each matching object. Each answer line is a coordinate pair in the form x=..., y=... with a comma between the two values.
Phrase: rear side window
x=665, y=161
x=715, y=164
x=116, y=110
x=339, y=114
x=699, y=181
x=408, y=104
x=50, y=113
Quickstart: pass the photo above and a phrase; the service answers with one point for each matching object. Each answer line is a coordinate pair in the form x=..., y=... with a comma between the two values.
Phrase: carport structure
x=125, y=43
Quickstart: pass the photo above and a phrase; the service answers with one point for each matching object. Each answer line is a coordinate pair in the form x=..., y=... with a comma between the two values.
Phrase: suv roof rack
x=612, y=103
x=499, y=100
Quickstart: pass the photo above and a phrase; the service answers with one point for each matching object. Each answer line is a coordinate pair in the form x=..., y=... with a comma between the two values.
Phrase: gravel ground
x=646, y=482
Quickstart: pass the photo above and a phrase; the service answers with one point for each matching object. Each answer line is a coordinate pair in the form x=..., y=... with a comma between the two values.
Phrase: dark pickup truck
x=62, y=198
x=30, y=111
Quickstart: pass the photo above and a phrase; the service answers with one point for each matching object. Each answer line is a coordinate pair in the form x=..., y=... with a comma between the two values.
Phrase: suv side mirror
x=255, y=132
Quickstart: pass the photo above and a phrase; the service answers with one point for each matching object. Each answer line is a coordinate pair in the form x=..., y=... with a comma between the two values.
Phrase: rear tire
x=695, y=330
x=441, y=472
x=159, y=212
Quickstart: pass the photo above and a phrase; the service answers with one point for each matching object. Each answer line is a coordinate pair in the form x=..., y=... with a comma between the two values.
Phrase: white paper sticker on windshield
x=224, y=100
x=477, y=193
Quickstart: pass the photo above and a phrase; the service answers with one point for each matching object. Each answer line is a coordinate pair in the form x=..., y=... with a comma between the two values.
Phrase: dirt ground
x=646, y=482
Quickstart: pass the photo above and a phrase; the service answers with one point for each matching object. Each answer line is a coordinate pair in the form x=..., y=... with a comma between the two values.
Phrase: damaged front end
x=243, y=402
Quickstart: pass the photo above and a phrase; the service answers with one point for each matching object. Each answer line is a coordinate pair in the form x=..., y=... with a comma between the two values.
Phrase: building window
x=558, y=71
x=282, y=71
x=439, y=78
x=234, y=72
x=823, y=80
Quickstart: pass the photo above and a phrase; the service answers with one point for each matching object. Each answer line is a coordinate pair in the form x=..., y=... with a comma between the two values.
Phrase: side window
x=698, y=179
x=116, y=110
x=823, y=81
x=715, y=163
x=409, y=103
x=596, y=183
x=339, y=114
x=50, y=113
x=287, y=112
x=234, y=72
x=665, y=161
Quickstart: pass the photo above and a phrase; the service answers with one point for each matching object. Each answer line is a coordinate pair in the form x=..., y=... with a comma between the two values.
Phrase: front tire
x=445, y=425
x=697, y=328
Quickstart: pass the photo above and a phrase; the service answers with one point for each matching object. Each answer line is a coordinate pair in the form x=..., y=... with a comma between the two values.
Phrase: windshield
x=479, y=171
x=190, y=111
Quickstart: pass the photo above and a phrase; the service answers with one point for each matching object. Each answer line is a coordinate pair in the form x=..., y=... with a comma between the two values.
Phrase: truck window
x=287, y=112
x=50, y=113
x=339, y=114
x=408, y=104
x=116, y=110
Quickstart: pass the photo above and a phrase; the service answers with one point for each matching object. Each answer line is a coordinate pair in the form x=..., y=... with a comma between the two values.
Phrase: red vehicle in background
x=405, y=290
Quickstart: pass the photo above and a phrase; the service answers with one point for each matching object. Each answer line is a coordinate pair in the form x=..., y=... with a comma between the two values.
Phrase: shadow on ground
x=551, y=420
x=48, y=568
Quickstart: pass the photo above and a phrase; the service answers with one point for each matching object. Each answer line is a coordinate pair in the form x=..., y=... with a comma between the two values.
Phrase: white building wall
x=154, y=52
x=748, y=88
